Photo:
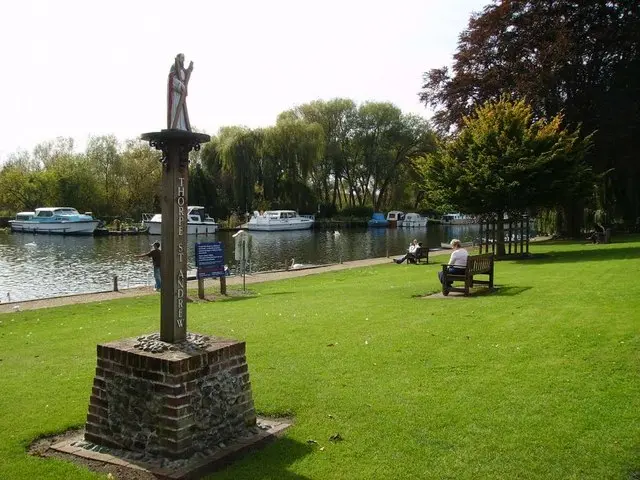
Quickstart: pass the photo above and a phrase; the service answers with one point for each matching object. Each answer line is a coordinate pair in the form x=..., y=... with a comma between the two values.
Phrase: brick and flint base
x=174, y=403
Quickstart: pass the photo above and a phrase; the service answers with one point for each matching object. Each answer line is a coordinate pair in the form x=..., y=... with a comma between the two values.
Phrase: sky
x=76, y=68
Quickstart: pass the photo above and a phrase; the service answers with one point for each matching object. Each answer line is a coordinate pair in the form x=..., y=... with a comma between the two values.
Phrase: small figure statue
x=177, y=114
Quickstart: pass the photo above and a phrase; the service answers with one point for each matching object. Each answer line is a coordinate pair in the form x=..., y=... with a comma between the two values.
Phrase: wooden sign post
x=175, y=146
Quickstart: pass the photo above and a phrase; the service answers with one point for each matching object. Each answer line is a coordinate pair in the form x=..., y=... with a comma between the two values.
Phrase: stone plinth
x=183, y=399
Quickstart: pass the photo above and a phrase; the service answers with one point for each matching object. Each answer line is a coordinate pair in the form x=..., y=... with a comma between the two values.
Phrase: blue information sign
x=210, y=260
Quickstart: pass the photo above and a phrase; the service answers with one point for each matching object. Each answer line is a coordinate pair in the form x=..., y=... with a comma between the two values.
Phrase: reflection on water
x=37, y=266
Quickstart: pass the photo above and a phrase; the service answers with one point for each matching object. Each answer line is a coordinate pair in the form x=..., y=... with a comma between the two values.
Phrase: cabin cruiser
x=378, y=220
x=279, y=220
x=198, y=222
x=414, y=220
x=395, y=218
x=457, y=219
x=60, y=220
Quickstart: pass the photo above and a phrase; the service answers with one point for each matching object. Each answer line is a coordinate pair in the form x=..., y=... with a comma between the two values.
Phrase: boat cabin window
x=66, y=211
x=45, y=213
x=24, y=216
x=197, y=215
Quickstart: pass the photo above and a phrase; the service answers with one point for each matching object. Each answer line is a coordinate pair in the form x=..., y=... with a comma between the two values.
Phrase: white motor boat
x=58, y=220
x=198, y=222
x=458, y=219
x=414, y=220
x=279, y=220
x=395, y=218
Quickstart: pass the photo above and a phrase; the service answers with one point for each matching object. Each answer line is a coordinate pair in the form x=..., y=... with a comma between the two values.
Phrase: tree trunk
x=572, y=214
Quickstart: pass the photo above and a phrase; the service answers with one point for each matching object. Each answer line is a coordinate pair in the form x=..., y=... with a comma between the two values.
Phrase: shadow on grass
x=278, y=293
x=216, y=297
x=275, y=460
x=510, y=291
x=589, y=253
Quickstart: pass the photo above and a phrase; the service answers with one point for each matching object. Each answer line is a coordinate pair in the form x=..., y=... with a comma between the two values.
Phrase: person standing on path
x=155, y=255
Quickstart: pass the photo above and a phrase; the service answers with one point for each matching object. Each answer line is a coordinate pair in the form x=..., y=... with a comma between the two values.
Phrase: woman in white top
x=411, y=252
x=458, y=260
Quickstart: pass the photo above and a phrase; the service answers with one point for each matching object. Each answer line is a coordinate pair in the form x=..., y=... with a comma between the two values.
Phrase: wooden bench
x=476, y=265
x=421, y=253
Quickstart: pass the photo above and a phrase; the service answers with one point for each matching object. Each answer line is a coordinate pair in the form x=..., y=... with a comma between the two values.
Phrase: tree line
x=539, y=114
x=324, y=156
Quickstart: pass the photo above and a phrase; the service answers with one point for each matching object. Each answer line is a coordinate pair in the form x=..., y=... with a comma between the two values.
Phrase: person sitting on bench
x=457, y=262
x=413, y=246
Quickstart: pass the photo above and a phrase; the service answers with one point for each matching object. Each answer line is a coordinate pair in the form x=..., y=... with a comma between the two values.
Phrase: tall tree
x=296, y=147
x=578, y=58
x=141, y=173
x=103, y=154
x=239, y=150
x=503, y=160
x=337, y=117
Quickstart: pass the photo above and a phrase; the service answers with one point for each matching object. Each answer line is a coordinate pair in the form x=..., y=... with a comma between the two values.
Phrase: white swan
x=296, y=265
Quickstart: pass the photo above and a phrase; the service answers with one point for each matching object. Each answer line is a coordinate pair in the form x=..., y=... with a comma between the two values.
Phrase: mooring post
x=115, y=283
x=223, y=285
x=201, y=288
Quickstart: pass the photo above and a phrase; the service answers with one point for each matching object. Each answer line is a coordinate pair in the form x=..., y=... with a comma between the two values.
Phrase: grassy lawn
x=541, y=380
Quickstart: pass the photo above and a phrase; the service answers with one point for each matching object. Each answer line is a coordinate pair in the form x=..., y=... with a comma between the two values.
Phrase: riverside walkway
x=193, y=284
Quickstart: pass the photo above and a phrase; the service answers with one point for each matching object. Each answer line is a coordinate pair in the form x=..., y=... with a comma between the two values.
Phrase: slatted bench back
x=479, y=263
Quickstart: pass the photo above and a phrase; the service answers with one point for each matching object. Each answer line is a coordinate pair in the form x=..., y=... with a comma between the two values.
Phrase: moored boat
x=378, y=220
x=457, y=219
x=395, y=218
x=279, y=220
x=198, y=222
x=414, y=220
x=56, y=220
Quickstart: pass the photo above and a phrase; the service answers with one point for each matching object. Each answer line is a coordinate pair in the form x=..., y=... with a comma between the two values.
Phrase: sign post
x=175, y=146
x=242, y=253
x=210, y=264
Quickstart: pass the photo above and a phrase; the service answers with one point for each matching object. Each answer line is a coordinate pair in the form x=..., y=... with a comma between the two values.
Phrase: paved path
x=139, y=291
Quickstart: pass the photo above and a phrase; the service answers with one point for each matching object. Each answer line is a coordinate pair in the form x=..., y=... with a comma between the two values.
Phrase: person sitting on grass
x=411, y=252
x=457, y=261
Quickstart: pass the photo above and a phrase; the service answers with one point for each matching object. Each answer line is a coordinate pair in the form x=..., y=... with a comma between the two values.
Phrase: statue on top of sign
x=177, y=114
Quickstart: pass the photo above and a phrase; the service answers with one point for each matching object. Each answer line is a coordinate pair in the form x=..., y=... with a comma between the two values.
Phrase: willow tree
x=337, y=118
x=239, y=149
x=505, y=161
x=384, y=142
x=295, y=147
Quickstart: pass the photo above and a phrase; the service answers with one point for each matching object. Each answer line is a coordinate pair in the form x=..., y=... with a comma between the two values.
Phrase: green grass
x=541, y=380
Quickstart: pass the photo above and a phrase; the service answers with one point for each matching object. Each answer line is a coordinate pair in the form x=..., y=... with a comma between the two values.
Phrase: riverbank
x=193, y=284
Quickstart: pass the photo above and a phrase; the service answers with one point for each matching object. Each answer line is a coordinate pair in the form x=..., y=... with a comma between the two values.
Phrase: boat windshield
x=66, y=211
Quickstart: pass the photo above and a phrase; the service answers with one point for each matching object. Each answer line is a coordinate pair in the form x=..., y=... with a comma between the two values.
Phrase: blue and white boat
x=59, y=220
x=378, y=220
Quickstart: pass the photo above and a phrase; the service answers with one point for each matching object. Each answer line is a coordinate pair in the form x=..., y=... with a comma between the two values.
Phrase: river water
x=39, y=266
